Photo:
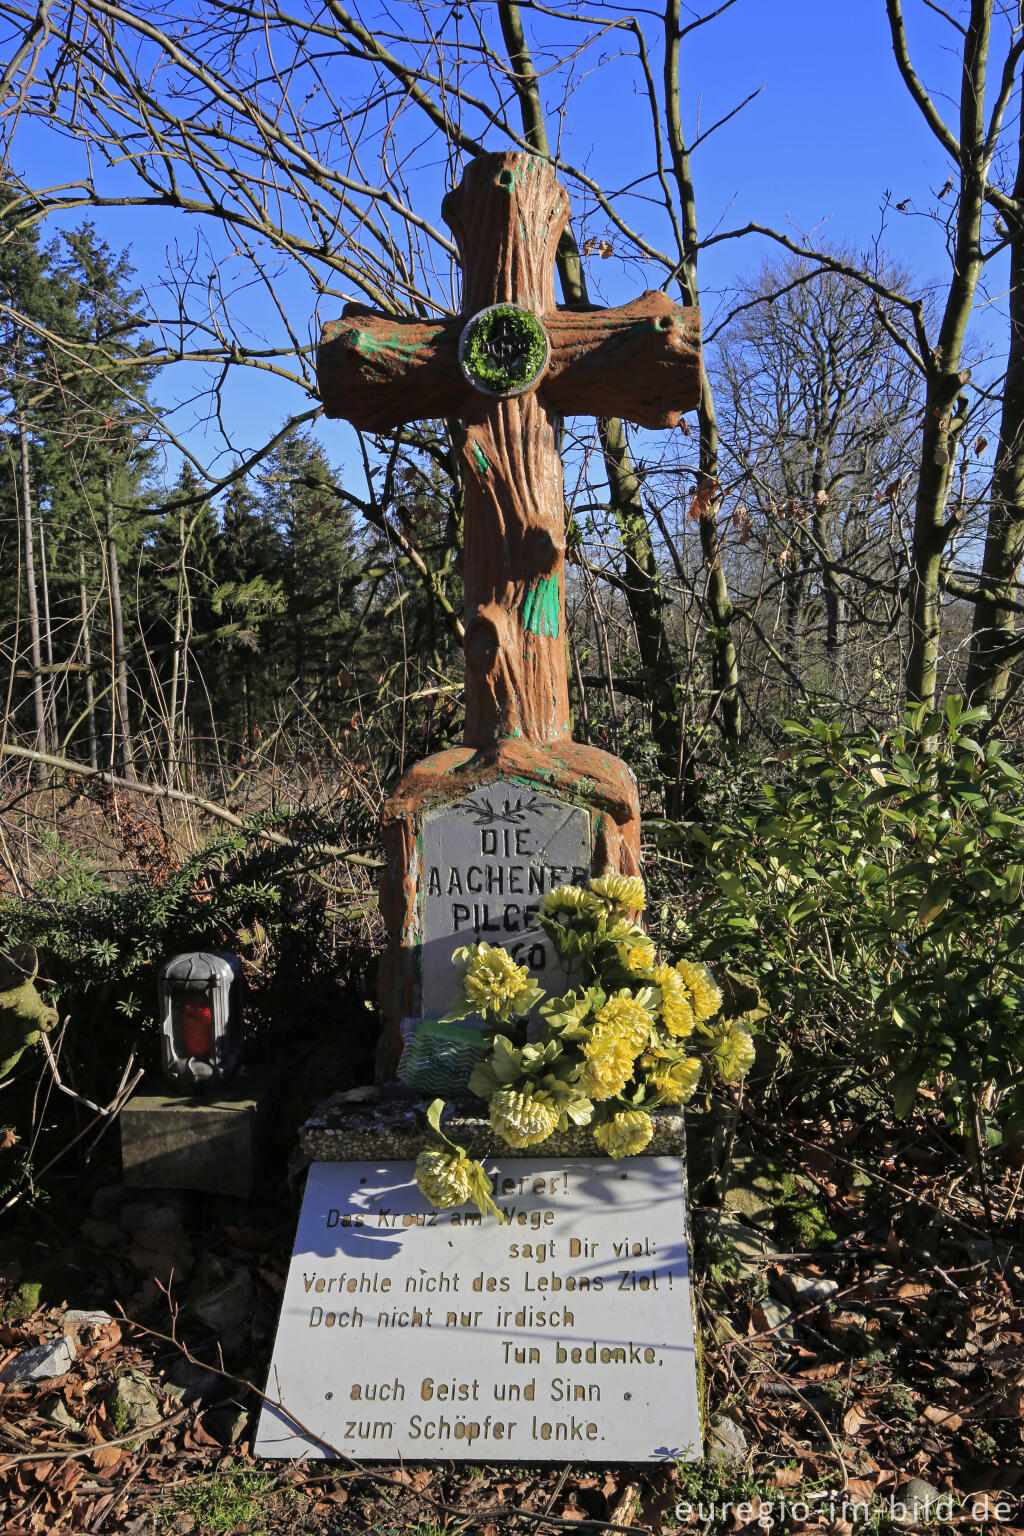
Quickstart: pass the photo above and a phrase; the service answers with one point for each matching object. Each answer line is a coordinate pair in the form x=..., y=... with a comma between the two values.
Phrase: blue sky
x=830, y=134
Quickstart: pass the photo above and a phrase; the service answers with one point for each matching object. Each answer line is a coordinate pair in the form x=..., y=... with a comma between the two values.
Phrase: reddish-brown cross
x=641, y=361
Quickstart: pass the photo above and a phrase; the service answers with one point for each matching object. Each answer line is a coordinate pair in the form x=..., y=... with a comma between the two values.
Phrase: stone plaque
x=488, y=860
x=562, y=1334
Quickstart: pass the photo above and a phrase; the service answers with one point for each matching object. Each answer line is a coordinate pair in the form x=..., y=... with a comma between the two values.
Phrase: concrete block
x=173, y=1140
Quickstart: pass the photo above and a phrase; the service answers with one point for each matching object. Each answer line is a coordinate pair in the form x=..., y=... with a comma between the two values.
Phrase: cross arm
x=381, y=371
x=641, y=361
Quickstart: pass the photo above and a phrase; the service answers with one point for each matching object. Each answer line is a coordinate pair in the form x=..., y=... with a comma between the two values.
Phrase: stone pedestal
x=212, y=1141
x=474, y=839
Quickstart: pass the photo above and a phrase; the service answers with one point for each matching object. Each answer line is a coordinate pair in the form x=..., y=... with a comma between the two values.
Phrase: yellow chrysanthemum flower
x=625, y=1134
x=626, y=891
x=626, y=1019
x=608, y=1067
x=521, y=1117
x=734, y=1053
x=640, y=958
x=679, y=1083
x=707, y=999
x=567, y=898
x=674, y=1010
x=494, y=981
x=444, y=1177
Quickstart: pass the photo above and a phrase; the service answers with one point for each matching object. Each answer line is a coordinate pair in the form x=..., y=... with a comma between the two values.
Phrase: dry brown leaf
x=69, y=1475
x=942, y=1416
x=1011, y=1404
x=336, y=1496
x=106, y=1456
x=911, y=1290
x=788, y=1477
x=860, y=1488
x=703, y=499
x=854, y=1420
x=97, y=1510
x=107, y=1338
x=197, y=1439
x=824, y=1372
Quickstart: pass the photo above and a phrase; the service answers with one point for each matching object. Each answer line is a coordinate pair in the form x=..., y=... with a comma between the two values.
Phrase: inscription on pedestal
x=563, y=1333
x=487, y=862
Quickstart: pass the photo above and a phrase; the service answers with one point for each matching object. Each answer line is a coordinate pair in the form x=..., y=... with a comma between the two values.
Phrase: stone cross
x=508, y=367
x=476, y=835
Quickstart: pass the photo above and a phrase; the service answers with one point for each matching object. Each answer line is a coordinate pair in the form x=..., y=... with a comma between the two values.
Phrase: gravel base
x=343, y=1133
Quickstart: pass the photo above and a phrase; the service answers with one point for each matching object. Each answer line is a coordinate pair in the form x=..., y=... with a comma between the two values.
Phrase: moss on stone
x=23, y=1302
x=23, y=1019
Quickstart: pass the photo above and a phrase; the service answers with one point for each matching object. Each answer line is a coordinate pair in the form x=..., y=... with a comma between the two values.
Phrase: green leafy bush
x=874, y=891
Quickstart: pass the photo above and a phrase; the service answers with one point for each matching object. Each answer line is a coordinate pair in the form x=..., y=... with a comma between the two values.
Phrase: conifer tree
x=304, y=507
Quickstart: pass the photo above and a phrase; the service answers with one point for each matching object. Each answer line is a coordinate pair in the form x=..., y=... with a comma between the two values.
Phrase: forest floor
x=862, y=1325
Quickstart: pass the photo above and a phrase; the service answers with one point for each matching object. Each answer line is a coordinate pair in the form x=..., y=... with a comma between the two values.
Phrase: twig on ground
x=107, y=1116
x=145, y=1432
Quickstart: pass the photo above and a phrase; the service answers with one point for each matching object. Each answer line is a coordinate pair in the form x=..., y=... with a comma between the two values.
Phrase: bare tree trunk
x=944, y=402
x=51, y=702
x=994, y=642
x=45, y=579
x=831, y=582
x=725, y=665
x=120, y=718
x=176, y=656
x=90, y=690
x=41, y=744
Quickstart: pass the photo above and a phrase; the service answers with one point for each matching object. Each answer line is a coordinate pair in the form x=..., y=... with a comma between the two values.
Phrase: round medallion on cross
x=503, y=350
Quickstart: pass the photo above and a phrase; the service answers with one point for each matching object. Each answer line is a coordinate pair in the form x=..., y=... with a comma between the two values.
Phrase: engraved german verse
x=563, y=1332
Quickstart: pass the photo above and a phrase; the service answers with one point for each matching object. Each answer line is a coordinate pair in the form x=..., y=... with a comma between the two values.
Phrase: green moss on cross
x=503, y=350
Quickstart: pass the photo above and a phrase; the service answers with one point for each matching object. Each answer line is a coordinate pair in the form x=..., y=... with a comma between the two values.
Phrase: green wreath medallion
x=503, y=350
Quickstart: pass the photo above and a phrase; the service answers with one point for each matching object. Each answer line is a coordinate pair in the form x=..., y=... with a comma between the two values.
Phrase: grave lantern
x=200, y=1002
